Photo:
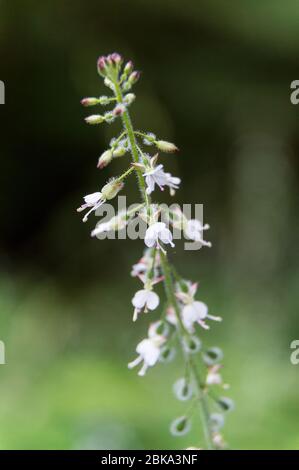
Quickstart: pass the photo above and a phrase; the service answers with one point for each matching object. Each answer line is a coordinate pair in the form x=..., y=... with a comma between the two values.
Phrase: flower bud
x=95, y=119
x=119, y=151
x=226, y=404
x=182, y=389
x=111, y=189
x=180, y=426
x=90, y=101
x=128, y=67
x=129, y=98
x=116, y=58
x=104, y=159
x=134, y=77
x=101, y=65
x=165, y=146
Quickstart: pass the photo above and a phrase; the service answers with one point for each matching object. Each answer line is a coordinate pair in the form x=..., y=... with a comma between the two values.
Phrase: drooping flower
x=144, y=300
x=157, y=175
x=193, y=229
x=94, y=200
x=158, y=232
x=213, y=376
x=196, y=312
x=193, y=311
x=148, y=351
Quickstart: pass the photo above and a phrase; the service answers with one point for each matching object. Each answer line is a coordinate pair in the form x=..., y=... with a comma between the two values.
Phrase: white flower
x=148, y=351
x=115, y=223
x=193, y=230
x=158, y=176
x=196, y=312
x=213, y=376
x=144, y=299
x=155, y=232
x=94, y=201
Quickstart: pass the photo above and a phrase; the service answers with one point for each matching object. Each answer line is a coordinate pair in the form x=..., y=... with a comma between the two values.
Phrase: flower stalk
x=182, y=313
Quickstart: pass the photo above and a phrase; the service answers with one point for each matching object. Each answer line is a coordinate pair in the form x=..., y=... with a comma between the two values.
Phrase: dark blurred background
x=215, y=80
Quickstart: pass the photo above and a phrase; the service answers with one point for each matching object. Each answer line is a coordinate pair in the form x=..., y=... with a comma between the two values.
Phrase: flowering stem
x=131, y=136
x=167, y=270
x=169, y=288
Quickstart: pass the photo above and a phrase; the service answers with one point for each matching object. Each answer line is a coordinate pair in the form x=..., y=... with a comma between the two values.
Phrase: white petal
x=201, y=309
x=152, y=300
x=92, y=199
x=140, y=298
x=166, y=236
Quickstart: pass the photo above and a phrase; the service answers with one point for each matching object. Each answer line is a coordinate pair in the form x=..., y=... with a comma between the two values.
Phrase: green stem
x=169, y=288
x=166, y=268
x=131, y=136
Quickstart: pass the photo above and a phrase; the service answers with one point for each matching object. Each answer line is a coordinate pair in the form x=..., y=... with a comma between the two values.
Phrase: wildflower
x=148, y=351
x=94, y=200
x=129, y=98
x=213, y=376
x=196, y=312
x=155, y=232
x=158, y=176
x=115, y=223
x=193, y=311
x=216, y=421
x=145, y=300
x=193, y=229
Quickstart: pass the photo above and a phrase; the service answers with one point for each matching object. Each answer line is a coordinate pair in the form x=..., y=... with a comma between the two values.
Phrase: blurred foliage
x=216, y=78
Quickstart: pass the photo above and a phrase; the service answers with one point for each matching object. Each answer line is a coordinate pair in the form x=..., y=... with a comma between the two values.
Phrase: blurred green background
x=215, y=80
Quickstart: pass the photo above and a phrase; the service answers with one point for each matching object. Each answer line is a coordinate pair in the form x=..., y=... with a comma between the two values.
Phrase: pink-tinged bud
x=119, y=110
x=104, y=159
x=128, y=67
x=101, y=65
x=116, y=58
x=134, y=77
x=95, y=119
x=90, y=101
x=167, y=147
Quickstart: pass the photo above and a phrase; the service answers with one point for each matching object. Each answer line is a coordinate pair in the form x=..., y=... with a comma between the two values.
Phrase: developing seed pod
x=180, y=426
x=167, y=354
x=226, y=404
x=216, y=421
x=191, y=344
x=212, y=356
x=182, y=389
